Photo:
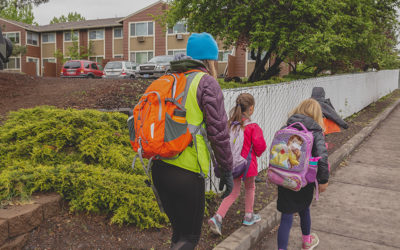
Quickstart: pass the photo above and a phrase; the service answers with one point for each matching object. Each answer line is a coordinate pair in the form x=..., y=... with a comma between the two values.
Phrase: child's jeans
x=249, y=195
x=286, y=225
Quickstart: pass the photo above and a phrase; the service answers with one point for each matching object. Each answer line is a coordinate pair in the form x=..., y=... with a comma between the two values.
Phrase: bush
x=88, y=188
x=83, y=155
x=51, y=136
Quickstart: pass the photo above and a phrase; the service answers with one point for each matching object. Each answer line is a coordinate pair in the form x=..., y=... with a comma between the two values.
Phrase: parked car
x=156, y=67
x=120, y=69
x=82, y=69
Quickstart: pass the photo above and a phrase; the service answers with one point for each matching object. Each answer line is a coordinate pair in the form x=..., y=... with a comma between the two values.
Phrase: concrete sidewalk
x=360, y=209
x=352, y=190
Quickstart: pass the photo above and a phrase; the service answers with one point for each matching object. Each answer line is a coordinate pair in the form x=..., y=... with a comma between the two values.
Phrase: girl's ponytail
x=243, y=102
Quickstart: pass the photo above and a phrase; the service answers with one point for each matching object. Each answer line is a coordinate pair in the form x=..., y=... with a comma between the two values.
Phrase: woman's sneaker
x=314, y=242
x=215, y=225
x=253, y=219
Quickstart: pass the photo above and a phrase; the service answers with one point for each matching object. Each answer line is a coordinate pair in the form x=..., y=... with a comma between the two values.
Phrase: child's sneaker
x=253, y=219
x=314, y=242
x=215, y=225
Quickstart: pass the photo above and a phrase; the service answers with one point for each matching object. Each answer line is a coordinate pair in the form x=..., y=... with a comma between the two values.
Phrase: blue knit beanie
x=202, y=46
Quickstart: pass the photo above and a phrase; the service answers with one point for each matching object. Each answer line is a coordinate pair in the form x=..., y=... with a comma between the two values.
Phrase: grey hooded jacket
x=318, y=93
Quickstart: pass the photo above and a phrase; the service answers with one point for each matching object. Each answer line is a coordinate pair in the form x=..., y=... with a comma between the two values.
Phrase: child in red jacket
x=254, y=141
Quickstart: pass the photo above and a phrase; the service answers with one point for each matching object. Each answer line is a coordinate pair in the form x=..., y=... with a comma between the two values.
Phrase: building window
x=141, y=57
x=223, y=55
x=69, y=38
x=249, y=55
x=32, y=38
x=50, y=60
x=174, y=52
x=48, y=37
x=14, y=37
x=98, y=59
x=118, y=56
x=117, y=32
x=142, y=29
x=13, y=63
x=179, y=27
x=96, y=34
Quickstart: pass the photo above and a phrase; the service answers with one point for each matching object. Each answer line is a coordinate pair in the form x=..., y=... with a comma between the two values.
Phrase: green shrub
x=88, y=188
x=83, y=155
x=51, y=136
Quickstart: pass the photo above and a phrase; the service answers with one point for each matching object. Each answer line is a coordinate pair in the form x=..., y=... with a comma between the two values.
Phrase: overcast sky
x=90, y=9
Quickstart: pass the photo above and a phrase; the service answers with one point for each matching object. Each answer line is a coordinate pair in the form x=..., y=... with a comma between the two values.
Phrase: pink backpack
x=240, y=164
x=291, y=164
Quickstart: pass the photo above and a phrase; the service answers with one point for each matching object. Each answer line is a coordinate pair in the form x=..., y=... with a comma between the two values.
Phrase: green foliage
x=84, y=155
x=18, y=50
x=334, y=35
x=88, y=188
x=51, y=136
x=71, y=17
x=13, y=10
x=75, y=52
x=273, y=80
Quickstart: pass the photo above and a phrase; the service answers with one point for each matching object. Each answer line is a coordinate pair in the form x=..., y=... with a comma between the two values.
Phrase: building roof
x=87, y=24
x=22, y=25
x=137, y=12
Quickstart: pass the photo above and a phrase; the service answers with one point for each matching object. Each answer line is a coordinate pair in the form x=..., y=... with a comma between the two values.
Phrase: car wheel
x=90, y=76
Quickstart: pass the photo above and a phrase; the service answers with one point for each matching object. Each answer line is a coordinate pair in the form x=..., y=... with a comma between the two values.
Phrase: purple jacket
x=211, y=103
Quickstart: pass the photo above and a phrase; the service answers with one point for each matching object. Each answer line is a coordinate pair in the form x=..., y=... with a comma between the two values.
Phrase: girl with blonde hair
x=289, y=202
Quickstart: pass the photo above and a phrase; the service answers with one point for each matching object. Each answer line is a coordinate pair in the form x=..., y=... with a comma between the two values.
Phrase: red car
x=82, y=69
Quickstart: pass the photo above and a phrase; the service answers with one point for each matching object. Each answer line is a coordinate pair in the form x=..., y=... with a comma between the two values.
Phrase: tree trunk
x=294, y=67
x=274, y=69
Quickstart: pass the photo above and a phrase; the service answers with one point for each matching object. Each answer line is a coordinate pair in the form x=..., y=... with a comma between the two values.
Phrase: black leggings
x=182, y=195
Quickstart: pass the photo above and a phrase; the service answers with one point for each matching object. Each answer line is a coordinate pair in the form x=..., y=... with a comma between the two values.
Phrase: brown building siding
x=60, y=47
x=118, y=47
x=48, y=50
x=158, y=45
x=174, y=43
x=240, y=61
x=125, y=44
x=83, y=38
x=8, y=27
x=108, y=43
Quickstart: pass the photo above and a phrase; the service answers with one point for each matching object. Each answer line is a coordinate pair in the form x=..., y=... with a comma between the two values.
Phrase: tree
x=320, y=33
x=21, y=3
x=75, y=52
x=17, y=12
x=71, y=17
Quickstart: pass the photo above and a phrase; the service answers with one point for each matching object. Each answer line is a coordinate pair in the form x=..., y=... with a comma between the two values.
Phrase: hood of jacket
x=183, y=63
x=318, y=93
x=307, y=121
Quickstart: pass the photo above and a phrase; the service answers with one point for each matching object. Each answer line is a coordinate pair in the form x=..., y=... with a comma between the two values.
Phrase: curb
x=247, y=237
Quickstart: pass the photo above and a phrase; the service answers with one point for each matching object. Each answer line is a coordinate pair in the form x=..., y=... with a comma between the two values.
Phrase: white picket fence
x=348, y=93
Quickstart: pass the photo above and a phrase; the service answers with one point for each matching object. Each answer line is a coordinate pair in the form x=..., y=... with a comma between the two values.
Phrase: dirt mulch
x=23, y=91
x=88, y=231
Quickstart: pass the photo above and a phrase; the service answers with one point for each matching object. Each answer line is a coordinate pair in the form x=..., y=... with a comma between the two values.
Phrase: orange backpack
x=158, y=127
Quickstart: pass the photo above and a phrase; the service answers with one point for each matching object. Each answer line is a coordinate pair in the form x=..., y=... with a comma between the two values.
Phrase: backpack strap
x=298, y=123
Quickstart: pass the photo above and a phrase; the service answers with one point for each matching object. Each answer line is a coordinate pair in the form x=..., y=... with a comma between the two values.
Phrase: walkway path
x=361, y=208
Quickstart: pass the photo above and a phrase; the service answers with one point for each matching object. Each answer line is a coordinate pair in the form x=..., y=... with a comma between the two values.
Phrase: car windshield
x=114, y=65
x=72, y=65
x=161, y=59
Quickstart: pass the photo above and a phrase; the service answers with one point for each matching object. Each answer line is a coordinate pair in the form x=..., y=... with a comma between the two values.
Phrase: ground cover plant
x=82, y=154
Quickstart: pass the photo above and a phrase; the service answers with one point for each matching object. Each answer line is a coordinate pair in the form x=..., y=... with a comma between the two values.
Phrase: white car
x=120, y=69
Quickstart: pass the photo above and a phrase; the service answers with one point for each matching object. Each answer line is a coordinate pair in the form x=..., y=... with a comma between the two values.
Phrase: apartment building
x=136, y=37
